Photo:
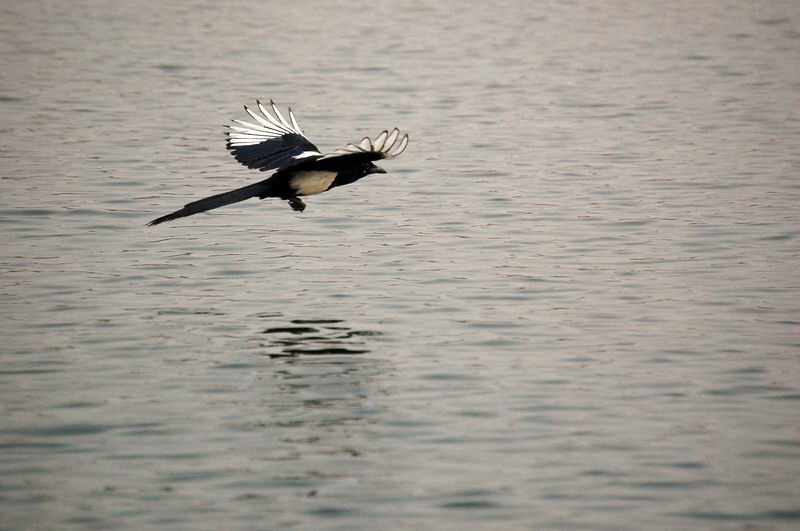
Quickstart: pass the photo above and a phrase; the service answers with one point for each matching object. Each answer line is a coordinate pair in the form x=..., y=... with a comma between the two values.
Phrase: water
x=573, y=301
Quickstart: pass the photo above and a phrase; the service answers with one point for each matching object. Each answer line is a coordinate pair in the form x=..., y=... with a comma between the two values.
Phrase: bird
x=275, y=143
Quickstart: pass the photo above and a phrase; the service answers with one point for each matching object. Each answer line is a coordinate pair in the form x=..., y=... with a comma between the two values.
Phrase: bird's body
x=311, y=182
x=301, y=169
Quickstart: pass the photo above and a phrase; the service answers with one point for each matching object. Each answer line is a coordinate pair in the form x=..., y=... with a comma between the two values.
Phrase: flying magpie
x=273, y=143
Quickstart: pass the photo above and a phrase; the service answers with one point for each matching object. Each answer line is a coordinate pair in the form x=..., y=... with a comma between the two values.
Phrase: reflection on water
x=316, y=337
x=309, y=418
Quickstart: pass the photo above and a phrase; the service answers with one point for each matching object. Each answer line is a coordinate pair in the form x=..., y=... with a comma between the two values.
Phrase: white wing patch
x=382, y=144
x=305, y=154
x=266, y=128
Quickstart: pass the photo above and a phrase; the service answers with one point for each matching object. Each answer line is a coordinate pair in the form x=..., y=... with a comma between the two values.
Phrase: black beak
x=378, y=169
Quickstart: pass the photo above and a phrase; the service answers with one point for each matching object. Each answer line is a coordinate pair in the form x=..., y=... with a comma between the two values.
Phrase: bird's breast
x=311, y=182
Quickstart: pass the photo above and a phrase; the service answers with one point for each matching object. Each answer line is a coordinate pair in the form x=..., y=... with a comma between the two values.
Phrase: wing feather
x=274, y=142
x=253, y=128
x=277, y=123
x=264, y=123
x=373, y=150
x=271, y=143
x=400, y=148
x=279, y=115
x=294, y=122
x=391, y=140
x=378, y=145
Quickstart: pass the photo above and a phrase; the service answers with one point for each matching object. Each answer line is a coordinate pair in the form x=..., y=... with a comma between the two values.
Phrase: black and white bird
x=273, y=143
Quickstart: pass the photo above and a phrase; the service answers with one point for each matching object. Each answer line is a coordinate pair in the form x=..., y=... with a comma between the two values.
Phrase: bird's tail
x=260, y=189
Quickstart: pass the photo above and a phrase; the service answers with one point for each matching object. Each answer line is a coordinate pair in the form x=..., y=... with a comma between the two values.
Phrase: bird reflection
x=317, y=337
x=313, y=408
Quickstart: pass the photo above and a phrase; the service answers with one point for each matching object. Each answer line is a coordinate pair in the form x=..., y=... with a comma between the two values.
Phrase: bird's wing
x=367, y=149
x=272, y=143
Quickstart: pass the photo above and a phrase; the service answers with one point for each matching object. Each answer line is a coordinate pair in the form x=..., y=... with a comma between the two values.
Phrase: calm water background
x=573, y=302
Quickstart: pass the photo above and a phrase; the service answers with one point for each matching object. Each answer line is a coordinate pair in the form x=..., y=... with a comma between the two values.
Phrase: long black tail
x=259, y=189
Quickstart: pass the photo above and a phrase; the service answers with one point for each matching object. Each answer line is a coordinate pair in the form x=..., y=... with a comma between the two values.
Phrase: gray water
x=572, y=302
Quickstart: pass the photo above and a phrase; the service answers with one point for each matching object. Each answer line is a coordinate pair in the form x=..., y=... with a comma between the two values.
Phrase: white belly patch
x=312, y=182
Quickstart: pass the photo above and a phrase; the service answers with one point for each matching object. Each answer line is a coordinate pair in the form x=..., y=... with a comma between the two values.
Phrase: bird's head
x=371, y=168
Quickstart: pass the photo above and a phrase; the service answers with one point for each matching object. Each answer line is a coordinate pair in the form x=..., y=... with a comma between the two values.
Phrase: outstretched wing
x=272, y=143
x=369, y=150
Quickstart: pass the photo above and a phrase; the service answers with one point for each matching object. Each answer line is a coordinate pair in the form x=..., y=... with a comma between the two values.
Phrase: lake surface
x=572, y=303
